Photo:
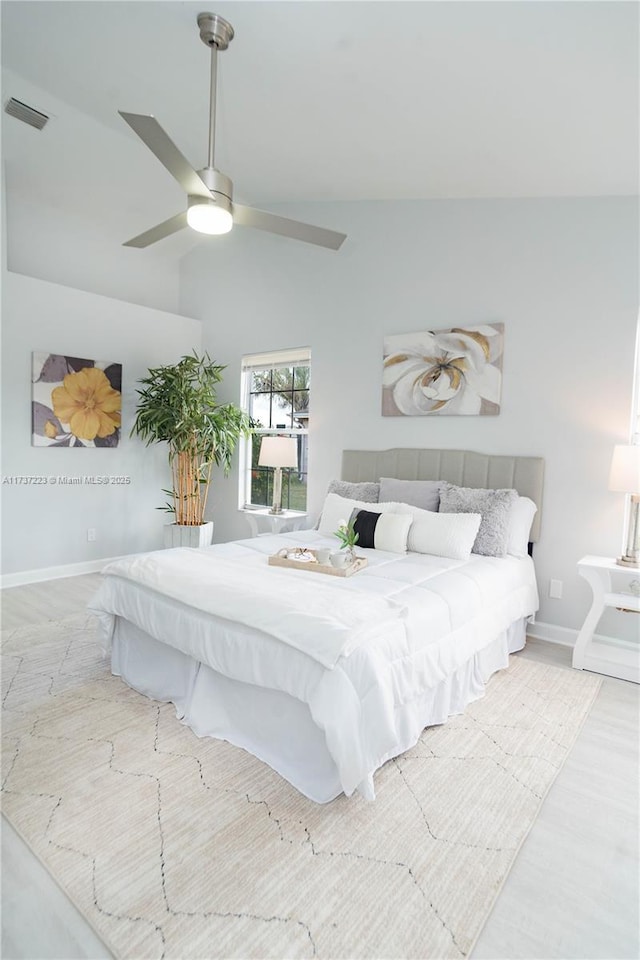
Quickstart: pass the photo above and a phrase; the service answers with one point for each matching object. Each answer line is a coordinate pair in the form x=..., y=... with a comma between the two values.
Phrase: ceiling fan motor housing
x=217, y=182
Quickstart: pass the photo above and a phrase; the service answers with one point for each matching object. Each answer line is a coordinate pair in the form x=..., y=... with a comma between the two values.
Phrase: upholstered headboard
x=462, y=467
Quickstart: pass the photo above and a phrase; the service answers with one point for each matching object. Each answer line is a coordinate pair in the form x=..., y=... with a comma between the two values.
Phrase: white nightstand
x=263, y=522
x=613, y=658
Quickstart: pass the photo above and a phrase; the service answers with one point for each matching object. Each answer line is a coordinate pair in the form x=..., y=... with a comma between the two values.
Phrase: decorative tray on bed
x=307, y=560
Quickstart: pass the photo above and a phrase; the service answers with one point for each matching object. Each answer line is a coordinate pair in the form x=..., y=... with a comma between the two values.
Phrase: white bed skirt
x=276, y=727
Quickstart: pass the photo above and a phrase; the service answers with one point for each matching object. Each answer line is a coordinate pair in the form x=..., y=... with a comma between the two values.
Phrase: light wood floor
x=573, y=892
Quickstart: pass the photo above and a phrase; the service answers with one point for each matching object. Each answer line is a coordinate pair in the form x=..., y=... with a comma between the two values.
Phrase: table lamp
x=625, y=478
x=278, y=452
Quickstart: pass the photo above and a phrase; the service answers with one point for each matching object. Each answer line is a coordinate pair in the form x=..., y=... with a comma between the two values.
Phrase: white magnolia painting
x=443, y=372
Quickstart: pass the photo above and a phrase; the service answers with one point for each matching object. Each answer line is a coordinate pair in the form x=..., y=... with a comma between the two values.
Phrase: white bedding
x=446, y=611
x=318, y=618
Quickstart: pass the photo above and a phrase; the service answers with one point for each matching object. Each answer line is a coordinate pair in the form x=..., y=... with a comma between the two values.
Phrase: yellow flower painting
x=75, y=402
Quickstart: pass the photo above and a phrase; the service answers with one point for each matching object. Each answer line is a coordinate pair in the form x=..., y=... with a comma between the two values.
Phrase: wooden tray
x=327, y=568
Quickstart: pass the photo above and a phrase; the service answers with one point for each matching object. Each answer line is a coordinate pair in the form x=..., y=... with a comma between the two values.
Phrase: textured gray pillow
x=494, y=506
x=417, y=493
x=367, y=492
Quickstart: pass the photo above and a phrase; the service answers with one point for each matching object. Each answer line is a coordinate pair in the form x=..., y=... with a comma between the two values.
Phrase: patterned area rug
x=178, y=847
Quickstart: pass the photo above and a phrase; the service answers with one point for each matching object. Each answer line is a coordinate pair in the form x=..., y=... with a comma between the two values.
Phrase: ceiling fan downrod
x=210, y=206
x=217, y=34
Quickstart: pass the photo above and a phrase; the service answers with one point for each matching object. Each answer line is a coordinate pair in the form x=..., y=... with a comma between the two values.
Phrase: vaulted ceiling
x=323, y=101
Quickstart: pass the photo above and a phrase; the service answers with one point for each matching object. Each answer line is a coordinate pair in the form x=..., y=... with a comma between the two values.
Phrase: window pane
x=301, y=401
x=261, y=486
x=281, y=421
x=282, y=384
x=283, y=379
x=260, y=408
x=294, y=482
x=296, y=490
x=254, y=440
x=278, y=400
x=301, y=415
x=260, y=381
x=303, y=457
x=301, y=398
x=302, y=378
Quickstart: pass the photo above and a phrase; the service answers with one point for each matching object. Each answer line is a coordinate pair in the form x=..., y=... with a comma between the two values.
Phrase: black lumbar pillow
x=364, y=524
x=382, y=531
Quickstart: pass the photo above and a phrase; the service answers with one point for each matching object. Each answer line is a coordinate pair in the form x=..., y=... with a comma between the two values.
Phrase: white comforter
x=417, y=619
x=318, y=617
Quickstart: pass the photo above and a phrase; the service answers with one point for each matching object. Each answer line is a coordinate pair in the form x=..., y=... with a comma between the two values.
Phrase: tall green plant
x=178, y=405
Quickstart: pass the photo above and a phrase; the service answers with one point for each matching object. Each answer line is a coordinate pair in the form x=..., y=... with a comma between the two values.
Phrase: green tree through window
x=276, y=395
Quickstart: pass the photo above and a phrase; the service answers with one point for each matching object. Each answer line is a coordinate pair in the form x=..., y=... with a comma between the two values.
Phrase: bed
x=325, y=678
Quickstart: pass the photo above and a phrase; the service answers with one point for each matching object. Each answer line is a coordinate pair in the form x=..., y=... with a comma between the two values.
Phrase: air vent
x=22, y=111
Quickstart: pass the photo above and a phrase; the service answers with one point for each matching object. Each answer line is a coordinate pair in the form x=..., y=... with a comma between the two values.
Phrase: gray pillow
x=417, y=493
x=367, y=492
x=494, y=506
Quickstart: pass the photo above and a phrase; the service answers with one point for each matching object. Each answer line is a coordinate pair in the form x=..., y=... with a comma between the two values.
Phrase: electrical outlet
x=555, y=589
x=91, y=534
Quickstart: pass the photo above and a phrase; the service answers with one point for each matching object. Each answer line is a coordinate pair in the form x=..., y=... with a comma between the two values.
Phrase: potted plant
x=348, y=538
x=178, y=405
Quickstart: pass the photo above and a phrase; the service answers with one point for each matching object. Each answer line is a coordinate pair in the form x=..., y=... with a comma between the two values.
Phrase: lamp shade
x=625, y=469
x=278, y=452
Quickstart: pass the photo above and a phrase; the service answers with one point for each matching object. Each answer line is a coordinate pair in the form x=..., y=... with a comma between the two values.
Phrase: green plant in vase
x=178, y=405
x=348, y=538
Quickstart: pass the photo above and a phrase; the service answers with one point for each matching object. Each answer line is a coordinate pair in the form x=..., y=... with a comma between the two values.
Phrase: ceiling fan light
x=207, y=216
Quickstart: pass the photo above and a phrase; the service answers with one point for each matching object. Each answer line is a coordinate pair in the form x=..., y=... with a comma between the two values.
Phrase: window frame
x=291, y=358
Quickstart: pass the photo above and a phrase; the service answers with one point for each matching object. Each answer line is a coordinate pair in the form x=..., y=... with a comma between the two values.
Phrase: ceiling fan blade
x=250, y=217
x=162, y=230
x=154, y=137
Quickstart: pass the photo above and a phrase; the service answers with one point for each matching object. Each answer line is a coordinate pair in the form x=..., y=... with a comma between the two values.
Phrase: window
x=275, y=392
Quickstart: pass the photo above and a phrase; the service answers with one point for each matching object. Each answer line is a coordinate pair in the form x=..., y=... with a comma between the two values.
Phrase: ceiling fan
x=210, y=206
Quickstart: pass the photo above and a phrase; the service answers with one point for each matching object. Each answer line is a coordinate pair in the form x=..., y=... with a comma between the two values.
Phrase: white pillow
x=449, y=535
x=338, y=508
x=523, y=510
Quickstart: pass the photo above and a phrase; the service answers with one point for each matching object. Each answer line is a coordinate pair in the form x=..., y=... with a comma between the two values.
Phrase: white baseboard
x=53, y=573
x=550, y=632
x=567, y=637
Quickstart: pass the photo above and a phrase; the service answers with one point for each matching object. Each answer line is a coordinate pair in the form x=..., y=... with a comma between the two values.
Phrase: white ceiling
x=324, y=100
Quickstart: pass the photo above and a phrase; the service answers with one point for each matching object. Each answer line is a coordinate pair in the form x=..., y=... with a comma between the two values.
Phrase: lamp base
x=276, y=503
x=627, y=562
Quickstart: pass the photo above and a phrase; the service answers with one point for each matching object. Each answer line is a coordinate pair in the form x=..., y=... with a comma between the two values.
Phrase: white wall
x=45, y=525
x=85, y=252
x=45, y=242
x=561, y=275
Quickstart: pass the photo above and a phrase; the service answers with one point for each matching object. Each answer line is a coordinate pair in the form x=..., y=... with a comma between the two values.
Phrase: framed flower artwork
x=75, y=402
x=443, y=372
